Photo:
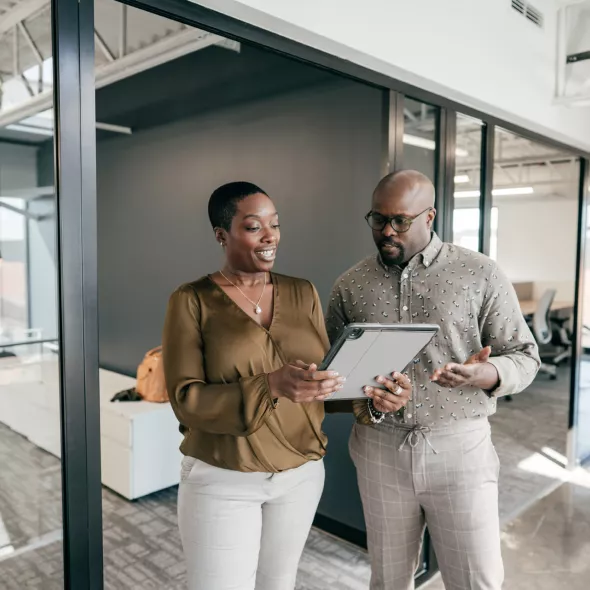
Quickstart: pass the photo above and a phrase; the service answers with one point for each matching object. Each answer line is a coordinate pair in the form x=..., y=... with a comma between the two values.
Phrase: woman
x=241, y=348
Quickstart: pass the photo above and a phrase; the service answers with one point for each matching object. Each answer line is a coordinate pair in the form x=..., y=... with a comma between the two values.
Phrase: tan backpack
x=151, y=385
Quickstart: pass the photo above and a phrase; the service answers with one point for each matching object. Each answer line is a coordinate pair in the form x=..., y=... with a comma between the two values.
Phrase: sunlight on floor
x=6, y=550
x=5, y=545
x=551, y=464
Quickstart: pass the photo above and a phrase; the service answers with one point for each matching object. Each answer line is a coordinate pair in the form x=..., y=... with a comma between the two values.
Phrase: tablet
x=364, y=351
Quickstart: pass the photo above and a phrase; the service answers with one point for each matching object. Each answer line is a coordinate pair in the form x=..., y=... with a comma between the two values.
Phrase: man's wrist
x=489, y=379
x=375, y=415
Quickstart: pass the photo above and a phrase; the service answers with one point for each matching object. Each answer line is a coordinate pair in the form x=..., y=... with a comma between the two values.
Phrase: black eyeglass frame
x=390, y=220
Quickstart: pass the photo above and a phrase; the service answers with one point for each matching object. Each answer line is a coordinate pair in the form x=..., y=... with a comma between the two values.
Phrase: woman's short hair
x=223, y=203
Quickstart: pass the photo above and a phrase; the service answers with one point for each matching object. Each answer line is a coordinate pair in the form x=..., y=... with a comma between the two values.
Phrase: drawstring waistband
x=412, y=437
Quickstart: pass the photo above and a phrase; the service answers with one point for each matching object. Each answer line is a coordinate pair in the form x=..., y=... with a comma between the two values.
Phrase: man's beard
x=392, y=257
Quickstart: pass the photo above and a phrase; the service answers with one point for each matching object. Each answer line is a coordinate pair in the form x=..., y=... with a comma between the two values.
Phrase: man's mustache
x=389, y=242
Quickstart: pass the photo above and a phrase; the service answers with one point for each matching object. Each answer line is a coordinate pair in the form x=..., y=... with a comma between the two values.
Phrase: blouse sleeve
x=317, y=318
x=237, y=409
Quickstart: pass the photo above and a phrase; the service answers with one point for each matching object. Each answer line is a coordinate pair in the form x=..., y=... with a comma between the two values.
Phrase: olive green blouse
x=216, y=361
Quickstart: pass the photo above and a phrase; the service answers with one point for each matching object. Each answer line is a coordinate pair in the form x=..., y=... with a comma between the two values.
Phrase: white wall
x=533, y=246
x=479, y=52
x=35, y=285
x=43, y=267
x=18, y=169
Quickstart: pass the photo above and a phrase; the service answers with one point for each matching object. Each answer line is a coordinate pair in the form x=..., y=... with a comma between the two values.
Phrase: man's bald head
x=410, y=186
x=406, y=199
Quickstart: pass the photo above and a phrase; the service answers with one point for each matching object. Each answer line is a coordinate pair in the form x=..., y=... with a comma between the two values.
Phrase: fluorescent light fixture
x=29, y=129
x=419, y=142
x=42, y=124
x=428, y=144
x=466, y=194
x=518, y=190
x=461, y=179
x=497, y=192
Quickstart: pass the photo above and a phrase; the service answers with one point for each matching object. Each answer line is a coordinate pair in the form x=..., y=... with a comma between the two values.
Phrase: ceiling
x=520, y=163
x=127, y=41
x=206, y=80
x=31, y=18
x=142, y=62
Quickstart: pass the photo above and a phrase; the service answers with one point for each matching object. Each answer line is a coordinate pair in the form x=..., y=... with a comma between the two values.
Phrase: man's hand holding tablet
x=394, y=394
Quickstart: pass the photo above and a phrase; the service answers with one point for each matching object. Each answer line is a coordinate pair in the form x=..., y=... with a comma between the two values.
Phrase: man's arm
x=336, y=321
x=514, y=352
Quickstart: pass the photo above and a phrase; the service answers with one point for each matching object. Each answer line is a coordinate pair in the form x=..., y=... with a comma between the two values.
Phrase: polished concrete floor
x=142, y=548
x=548, y=546
x=529, y=433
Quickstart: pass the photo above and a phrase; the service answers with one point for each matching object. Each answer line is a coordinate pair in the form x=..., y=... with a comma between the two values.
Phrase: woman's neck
x=243, y=279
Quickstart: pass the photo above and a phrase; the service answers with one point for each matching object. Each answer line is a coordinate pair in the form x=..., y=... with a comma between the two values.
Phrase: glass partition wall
x=535, y=191
x=467, y=183
x=31, y=519
x=50, y=463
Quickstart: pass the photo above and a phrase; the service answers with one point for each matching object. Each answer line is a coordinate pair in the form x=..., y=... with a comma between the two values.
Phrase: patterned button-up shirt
x=472, y=301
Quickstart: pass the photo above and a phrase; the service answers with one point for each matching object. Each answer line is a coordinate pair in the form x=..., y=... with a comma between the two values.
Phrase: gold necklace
x=257, y=308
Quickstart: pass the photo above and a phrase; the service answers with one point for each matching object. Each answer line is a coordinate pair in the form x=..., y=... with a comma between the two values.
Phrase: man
x=433, y=462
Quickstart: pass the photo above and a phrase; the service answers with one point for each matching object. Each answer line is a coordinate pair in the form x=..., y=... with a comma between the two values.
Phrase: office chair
x=585, y=339
x=564, y=330
x=543, y=332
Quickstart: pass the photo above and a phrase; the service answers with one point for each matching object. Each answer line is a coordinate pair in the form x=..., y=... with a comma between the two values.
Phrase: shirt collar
x=428, y=255
x=431, y=251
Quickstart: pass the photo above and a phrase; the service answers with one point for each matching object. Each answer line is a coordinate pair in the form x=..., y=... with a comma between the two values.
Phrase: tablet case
x=364, y=351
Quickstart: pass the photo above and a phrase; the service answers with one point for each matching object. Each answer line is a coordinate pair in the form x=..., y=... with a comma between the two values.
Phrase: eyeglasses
x=400, y=223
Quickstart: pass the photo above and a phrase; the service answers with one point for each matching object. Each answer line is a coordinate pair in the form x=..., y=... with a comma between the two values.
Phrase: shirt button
x=409, y=415
x=405, y=308
x=404, y=276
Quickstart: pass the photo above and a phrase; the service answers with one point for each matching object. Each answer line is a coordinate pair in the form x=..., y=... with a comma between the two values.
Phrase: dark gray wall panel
x=317, y=153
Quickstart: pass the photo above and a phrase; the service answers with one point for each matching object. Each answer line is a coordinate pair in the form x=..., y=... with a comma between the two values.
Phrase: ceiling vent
x=528, y=11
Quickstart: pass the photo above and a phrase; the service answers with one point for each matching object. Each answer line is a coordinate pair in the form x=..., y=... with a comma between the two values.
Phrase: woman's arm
x=237, y=409
x=338, y=406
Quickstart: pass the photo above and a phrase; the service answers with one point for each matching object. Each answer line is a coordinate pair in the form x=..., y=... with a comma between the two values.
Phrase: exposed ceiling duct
x=519, y=162
x=128, y=41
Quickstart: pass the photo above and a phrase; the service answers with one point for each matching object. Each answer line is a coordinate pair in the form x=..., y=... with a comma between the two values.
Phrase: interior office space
x=183, y=109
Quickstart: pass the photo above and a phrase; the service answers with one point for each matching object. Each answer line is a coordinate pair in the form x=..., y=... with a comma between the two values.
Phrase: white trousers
x=245, y=531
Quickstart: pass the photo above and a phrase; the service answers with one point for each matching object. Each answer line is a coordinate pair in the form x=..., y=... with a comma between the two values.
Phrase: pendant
x=258, y=309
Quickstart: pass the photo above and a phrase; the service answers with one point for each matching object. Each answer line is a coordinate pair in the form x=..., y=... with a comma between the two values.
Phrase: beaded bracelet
x=375, y=415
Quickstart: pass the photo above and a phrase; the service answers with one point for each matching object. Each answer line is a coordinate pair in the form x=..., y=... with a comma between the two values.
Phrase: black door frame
x=578, y=320
x=75, y=179
x=75, y=165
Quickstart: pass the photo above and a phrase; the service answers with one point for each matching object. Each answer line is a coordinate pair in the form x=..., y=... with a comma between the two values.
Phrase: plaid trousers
x=444, y=478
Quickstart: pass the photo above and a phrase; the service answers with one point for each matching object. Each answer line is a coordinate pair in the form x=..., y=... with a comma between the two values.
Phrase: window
x=466, y=218
x=466, y=229
x=420, y=125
